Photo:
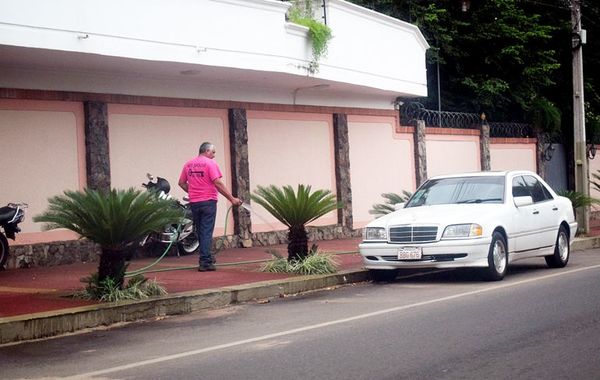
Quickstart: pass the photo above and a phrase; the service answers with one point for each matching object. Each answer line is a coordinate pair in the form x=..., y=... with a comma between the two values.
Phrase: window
x=538, y=191
x=519, y=188
x=484, y=189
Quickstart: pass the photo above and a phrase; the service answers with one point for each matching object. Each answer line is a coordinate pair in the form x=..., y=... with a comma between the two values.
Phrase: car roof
x=503, y=173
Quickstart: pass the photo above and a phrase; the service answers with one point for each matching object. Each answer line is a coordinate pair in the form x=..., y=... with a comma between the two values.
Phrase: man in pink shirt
x=201, y=179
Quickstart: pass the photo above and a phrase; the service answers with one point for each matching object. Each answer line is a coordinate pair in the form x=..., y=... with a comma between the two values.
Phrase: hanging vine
x=301, y=13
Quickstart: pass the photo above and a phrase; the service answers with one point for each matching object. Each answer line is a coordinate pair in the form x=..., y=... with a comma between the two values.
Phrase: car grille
x=413, y=234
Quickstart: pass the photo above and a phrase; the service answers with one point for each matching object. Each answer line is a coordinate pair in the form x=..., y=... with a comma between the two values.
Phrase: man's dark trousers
x=204, y=214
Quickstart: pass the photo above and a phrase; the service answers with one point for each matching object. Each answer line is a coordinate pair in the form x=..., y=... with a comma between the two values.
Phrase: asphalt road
x=538, y=323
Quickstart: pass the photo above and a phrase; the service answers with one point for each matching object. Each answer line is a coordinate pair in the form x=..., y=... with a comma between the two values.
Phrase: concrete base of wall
x=77, y=251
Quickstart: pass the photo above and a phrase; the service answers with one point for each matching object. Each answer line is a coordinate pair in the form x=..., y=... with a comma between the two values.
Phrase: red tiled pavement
x=33, y=290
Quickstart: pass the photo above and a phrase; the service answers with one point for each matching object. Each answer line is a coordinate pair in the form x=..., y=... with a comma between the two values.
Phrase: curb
x=583, y=243
x=47, y=324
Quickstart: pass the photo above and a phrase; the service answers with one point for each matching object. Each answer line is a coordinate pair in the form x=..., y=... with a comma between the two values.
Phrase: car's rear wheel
x=560, y=258
x=383, y=275
x=497, y=258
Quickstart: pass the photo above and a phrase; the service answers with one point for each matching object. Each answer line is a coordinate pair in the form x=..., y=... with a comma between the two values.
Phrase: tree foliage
x=503, y=57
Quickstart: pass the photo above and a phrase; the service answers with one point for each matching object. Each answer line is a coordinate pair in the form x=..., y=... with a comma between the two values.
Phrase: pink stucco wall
x=290, y=149
x=42, y=151
x=513, y=157
x=447, y=154
x=593, y=167
x=159, y=140
x=381, y=161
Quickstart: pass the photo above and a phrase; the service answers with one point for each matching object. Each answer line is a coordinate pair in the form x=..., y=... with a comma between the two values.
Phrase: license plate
x=410, y=253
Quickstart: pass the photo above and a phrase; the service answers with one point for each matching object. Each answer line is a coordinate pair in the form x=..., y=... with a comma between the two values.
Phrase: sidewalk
x=37, y=302
x=31, y=298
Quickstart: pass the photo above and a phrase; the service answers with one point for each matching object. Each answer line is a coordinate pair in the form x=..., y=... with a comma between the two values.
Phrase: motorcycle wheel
x=3, y=251
x=188, y=245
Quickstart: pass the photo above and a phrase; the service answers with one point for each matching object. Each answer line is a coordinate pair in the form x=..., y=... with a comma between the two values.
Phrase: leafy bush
x=295, y=209
x=301, y=13
x=108, y=290
x=313, y=263
x=578, y=199
x=116, y=220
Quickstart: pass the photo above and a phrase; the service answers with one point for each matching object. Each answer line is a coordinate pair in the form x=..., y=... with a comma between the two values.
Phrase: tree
x=496, y=56
x=115, y=220
x=295, y=210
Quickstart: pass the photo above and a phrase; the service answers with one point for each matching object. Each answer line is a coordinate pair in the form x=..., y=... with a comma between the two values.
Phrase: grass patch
x=136, y=288
x=314, y=263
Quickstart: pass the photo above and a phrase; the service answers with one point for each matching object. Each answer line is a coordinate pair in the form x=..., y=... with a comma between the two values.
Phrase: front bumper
x=441, y=254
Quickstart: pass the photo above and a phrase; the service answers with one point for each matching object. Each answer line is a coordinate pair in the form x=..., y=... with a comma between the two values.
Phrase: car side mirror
x=523, y=201
x=399, y=206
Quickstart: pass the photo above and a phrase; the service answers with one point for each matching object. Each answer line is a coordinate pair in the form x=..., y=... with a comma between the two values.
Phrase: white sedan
x=485, y=220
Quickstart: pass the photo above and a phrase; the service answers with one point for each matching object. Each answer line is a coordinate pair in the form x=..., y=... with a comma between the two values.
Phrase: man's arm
x=223, y=190
x=183, y=185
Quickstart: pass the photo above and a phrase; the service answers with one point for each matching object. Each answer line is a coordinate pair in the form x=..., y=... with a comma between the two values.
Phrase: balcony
x=242, y=50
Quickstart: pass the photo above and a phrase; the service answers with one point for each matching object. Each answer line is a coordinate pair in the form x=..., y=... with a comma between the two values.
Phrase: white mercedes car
x=485, y=220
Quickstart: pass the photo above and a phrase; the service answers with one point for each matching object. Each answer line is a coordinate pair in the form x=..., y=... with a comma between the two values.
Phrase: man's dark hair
x=206, y=146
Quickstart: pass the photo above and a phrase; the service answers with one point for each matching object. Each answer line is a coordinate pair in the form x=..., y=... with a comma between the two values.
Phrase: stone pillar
x=484, y=146
x=539, y=157
x=420, y=153
x=96, y=145
x=240, y=173
x=342, y=170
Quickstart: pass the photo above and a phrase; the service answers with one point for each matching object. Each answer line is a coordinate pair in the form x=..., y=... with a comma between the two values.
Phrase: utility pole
x=581, y=164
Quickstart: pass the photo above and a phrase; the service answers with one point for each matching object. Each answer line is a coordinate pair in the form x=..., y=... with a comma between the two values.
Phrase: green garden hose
x=144, y=269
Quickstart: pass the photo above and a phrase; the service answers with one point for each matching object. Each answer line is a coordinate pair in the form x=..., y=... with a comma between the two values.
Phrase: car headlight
x=375, y=233
x=462, y=231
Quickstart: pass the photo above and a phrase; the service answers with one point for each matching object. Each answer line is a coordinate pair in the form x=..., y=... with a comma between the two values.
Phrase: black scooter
x=10, y=216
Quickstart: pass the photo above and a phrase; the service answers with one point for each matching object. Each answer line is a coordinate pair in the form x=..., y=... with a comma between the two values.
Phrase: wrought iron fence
x=412, y=111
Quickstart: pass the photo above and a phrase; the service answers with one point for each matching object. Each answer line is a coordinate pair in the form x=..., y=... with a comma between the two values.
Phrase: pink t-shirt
x=200, y=173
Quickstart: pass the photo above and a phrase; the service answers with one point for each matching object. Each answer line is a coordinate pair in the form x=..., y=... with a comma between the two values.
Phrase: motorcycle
x=10, y=216
x=182, y=234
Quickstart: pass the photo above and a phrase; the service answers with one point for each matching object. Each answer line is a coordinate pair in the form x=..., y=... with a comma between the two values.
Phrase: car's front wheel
x=560, y=258
x=497, y=258
x=383, y=275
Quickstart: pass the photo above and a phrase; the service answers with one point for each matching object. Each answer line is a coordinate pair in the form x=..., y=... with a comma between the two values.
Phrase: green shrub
x=313, y=263
x=108, y=290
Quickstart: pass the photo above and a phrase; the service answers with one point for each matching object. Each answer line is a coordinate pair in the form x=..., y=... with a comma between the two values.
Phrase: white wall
x=368, y=49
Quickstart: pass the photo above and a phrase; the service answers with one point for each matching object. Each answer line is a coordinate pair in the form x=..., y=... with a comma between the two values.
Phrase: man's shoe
x=208, y=268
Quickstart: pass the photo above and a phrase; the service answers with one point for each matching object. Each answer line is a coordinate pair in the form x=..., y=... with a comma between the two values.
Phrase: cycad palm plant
x=295, y=210
x=391, y=199
x=115, y=220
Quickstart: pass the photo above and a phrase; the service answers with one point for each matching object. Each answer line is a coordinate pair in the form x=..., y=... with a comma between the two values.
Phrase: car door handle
x=536, y=212
x=555, y=208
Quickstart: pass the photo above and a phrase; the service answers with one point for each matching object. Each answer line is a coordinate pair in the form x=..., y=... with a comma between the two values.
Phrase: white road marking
x=322, y=325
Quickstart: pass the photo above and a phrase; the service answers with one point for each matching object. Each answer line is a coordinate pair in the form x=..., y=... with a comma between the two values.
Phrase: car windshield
x=488, y=189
